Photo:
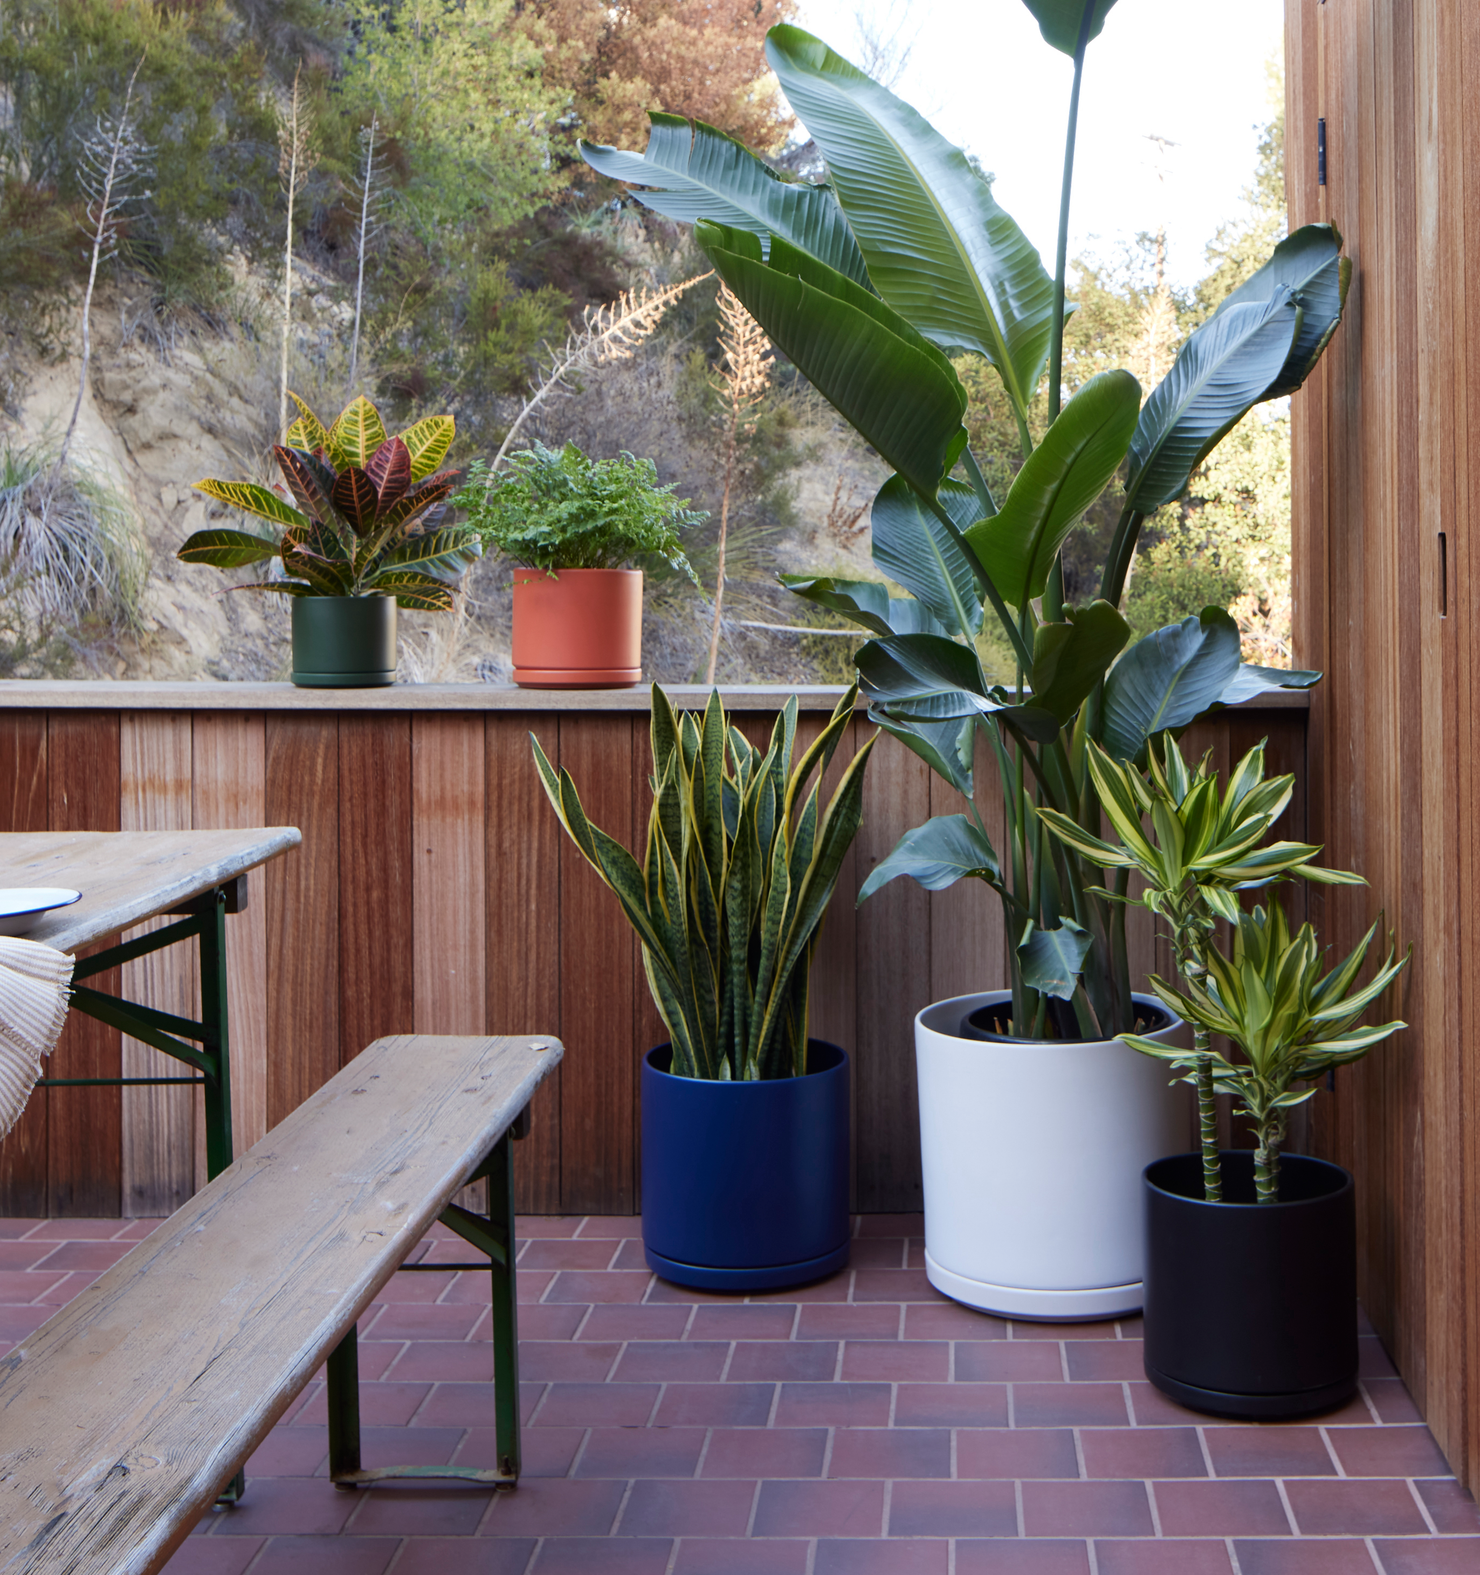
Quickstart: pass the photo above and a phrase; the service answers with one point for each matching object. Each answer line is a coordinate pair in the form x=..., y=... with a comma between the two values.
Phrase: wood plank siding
x=435, y=892
x=1385, y=591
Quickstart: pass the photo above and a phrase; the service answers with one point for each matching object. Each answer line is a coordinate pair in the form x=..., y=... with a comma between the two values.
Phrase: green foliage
x=370, y=513
x=741, y=861
x=507, y=326
x=559, y=509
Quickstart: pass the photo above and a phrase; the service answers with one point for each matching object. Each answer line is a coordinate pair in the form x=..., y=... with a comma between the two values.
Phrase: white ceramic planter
x=1032, y=1159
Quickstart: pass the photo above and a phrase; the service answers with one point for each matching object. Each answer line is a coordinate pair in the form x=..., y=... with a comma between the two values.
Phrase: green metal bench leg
x=343, y=1370
x=505, y=1312
x=215, y=1040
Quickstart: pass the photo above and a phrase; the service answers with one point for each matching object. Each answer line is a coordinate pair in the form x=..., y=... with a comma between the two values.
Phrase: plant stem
x=1267, y=1163
x=724, y=526
x=1061, y=260
x=354, y=349
x=1207, y=1118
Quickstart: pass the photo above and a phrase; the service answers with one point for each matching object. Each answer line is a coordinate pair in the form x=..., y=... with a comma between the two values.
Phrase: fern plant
x=741, y=862
x=370, y=515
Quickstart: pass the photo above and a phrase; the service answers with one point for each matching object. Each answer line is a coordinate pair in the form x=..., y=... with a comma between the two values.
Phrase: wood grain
x=182, y=1356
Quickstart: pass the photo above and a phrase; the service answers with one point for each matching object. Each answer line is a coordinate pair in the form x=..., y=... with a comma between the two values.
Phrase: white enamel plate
x=22, y=906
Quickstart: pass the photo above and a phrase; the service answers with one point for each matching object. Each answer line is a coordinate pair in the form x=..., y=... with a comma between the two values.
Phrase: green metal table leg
x=505, y=1311
x=215, y=1038
x=343, y=1370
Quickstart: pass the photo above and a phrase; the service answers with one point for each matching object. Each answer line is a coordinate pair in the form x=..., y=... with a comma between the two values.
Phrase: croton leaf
x=389, y=471
x=322, y=575
x=307, y=432
x=417, y=591
x=226, y=549
x=441, y=554
x=246, y=495
x=355, y=499
x=357, y=434
x=427, y=443
x=311, y=480
x=421, y=496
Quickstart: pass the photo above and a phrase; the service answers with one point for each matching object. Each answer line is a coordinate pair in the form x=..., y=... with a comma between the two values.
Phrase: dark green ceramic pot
x=344, y=642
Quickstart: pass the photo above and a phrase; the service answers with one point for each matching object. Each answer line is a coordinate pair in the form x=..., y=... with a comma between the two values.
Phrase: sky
x=1188, y=71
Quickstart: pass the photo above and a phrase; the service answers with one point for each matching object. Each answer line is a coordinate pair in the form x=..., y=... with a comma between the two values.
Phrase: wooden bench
x=124, y=1417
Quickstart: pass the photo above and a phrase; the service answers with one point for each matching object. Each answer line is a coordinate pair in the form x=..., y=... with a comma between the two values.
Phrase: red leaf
x=355, y=498
x=390, y=471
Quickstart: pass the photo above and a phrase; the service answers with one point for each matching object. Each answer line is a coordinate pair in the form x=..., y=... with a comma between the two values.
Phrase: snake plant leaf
x=947, y=747
x=354, y=499
x=1060, y=20
x=1250, y=680
x=389, y=471
x=356, y=434
x=1052, y=958
x=427, y=443
x=1167, y=680
x=915, y=549
x=937, y=854
x=307, y=432
x=1221, y=371
x=1069, y=469
x=1071, y=657
x=691, y=172
x=1309, y=263
x=894, y=387
x=937, y=246
x=252, y=499
x=865, y=602
x=227, y=549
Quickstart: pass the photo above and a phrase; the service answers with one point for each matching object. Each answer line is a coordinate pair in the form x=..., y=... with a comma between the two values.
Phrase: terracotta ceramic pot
x=578, y=628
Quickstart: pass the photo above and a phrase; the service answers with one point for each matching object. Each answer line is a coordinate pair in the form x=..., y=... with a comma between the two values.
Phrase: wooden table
x=126, y=877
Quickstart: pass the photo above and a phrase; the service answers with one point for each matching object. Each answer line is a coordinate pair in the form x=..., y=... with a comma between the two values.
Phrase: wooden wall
x=435, y=892
x=1385, y=603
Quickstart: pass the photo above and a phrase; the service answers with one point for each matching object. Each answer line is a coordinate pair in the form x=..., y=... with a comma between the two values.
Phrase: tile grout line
x=1423, y=1508
x=888, y=1505
x=1375, y=1556
x=704, y=1455
x=1334, y=1458
x=1150, y=1487
x=1207, y=1453
x=1079, y=1454
x=1232, y=1553
x=616, y=1525
x=755, y=1504
x=1017, y=1504
x=1279, y=1487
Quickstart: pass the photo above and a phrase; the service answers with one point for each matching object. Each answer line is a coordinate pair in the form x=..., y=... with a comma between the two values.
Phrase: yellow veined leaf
x=307, y=432
x=357, y=433
x=246, y=495
x=428, y=442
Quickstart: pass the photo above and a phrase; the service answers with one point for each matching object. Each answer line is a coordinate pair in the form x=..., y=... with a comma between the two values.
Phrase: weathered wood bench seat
x=124, y=1417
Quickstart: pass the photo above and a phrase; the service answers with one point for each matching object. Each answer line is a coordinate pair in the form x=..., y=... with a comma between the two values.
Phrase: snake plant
x=741, y=861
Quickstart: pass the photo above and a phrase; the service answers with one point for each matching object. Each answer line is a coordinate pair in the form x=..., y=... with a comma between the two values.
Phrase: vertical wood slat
x=155, y=771
x=24, y=807
x=302, y=753
x=84, y=1134
x=521, y=929
x=229, y=789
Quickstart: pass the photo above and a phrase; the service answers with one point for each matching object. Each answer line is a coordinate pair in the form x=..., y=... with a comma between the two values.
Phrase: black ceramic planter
x=344, y=642
x=1251, y=1308
x=745, y=1185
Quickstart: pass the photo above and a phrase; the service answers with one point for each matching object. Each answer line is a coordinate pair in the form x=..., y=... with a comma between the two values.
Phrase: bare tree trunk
x=354, y=349
x=724, y=526
x=294, y=163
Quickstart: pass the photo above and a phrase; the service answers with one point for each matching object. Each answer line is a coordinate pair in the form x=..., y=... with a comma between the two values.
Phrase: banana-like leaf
x=878, y=373
x=427, y=443
x=1059, y=480
x=938, y=247
x=1071, y=657
x=1223, y=370
x=226, y=549
x=946, y=746
x=356, y=434
x=1310, y=264
x=1059, y=21
x=389, y=471
x=1250, y=679
x=937, y=855
x=924, y=677
x=913, y=547
x=1167, y=680
x=865, y=602
x=307, y=432
x=252, y=499
x=355, y=500
x=694, y=172
x=1051, y=960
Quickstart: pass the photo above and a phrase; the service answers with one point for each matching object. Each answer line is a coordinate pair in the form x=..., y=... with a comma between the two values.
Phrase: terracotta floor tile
x=530, y=1226
x=1372, y=1360
x=719, y=1508
x=408, y=1509
x=742, y=1556
x=1142, y=1452
x=1220, y=1509
x=542, y=1321
x=893, y=1285
x=916, y=1361
x=426, y=1321
x=897, y=1556
x=1099, y=1329
x=451, y=1405
x=627, y=1452
x=1355, y=1509
x=891, y=1225
x=290, y=1452
x=886, y=1452
x=743, y=1322
x=287, y=1506
x=953, y=1509
x=81, y=1230
x=819, y=1509
x=945, y=1320
x=548, y=1507
x=25, y=1285
x=628, y=1255
x=326, y=1556
x=446, y=1361
x=770, y=1361
x=1004, y=1453
x=546, y=1451
x=1450, y=1507
x=833, y=1405
x=1162, y=1558
x=390, y=1404
x=679, y=1361
x=619, y=1321
x=1391, y=1399
x=93, y=1255
x=581, y=1285
x=765, y=1452
x=1068, y=1405
x=20, y=1323
x=1151, y=1408
x=1105, y=1359
x=1086, y=1509
x=1308, y=1556
x=1430, y=1556
x=576, y=1361
x=716, y=1405
x=597, y=1405
x=951, y=1405
x=843, y=1321
x=214, y=1555
x=1269, y=1452
x=465, y=1556
x=1038, y=1557
x=1401, y=1451
x=404, y=1446
x=603, y=1556
x=565, y=1253
x=1005, y=1360
x=878, y=1252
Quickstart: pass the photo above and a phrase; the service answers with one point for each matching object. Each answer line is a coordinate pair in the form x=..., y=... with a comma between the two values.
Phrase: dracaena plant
x=869, y=283
x=370, y=515
x=741, y=861
x=1194, y=847
x=1293, y=1021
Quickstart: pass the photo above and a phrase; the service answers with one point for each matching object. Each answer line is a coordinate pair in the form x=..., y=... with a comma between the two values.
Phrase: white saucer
x=22, y=906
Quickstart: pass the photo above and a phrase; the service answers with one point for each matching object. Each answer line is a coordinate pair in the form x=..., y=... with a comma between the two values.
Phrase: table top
x=126, y=877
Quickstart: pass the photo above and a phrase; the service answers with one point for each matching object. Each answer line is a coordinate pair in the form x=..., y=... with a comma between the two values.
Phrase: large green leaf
x=1059, y=480
x=913, y=547
x=1168, y=680
x=1250, y=680
x=892, y=386
x=1059, y=20
x=926, y=677
x=695, y=172
x=938, y=247
x=937, y=855
x=252, y=499
x=226, y=549
x=1071, y=657
x=1223, y=369
x=865, y=602
x=1053, y=959
x=947, y=746
x=1309, y=263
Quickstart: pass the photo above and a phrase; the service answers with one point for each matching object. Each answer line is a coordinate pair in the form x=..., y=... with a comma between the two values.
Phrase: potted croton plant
x=744, y=1116
x=1251, y=1266
x=870, y=284
x=573, y=527
x=371, y=532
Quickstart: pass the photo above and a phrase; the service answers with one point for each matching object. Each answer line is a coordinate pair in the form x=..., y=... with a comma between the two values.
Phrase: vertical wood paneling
x=229, y=750
x=23, y=807
x=522, y=887
x=599, y=980
x=155, y=769
x=648, y=1028
x=378, y=935
x=84, y=1136
x=303, y=982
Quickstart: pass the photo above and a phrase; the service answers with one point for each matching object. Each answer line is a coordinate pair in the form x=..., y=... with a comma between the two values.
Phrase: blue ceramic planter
x=745, y=1185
